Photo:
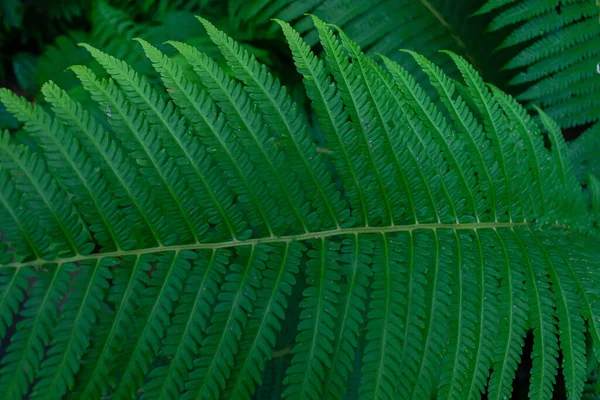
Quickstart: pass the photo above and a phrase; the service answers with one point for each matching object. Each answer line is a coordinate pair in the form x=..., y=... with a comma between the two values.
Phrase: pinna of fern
x=158, y=251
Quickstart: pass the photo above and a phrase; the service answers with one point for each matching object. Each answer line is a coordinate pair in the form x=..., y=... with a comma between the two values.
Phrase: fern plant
x=194, y=242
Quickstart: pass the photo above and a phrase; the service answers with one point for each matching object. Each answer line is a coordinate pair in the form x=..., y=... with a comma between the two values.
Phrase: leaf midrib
x=270, y=239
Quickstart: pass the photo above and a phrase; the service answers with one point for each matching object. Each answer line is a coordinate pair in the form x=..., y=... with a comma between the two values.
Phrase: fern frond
x=383, y=112
x=486, y=327
x=380, y=26
x=333, y=118
x=530, y=137
x=500, y=137
x=563, y=165
x=363, y=123
x=463, y=335
x=155, y=307
x=22, y=233
x=15, y=284
x=573, y=266
x=433, y=200
x=354, y=268
x=557, y=45
x=542, y=319
x=161, y=117
x=200, y=110
x=583, y=153
x=434, y=121
x=223, y=209
x=476, y=143
x=236, y=104
x=437, y=302
x=384, y=326
x=570, y=323
x=193, y=242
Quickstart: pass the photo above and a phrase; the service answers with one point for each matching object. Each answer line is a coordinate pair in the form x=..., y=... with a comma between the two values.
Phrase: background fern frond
x=555, y=63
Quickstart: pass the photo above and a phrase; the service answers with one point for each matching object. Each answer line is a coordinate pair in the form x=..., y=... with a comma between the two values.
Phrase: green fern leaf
x=190, y=240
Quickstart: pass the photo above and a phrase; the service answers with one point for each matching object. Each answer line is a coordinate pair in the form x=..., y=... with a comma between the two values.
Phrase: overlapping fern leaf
x=558, y=44
x=175, y=246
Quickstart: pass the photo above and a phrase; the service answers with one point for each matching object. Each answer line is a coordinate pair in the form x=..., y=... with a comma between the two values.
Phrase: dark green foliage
x=190, y=288
x=217, y=216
